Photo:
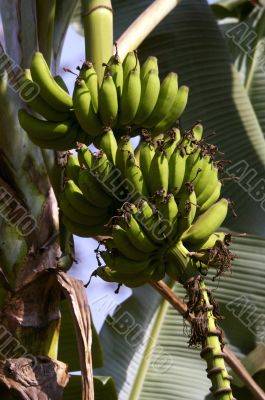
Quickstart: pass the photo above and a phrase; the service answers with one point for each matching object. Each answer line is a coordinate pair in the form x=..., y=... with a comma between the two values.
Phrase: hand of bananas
x=155, y=202
x=129, y=99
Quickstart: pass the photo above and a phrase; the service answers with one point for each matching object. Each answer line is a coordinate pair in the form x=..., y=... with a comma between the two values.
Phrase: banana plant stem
x=235, y=364
x=144, y=25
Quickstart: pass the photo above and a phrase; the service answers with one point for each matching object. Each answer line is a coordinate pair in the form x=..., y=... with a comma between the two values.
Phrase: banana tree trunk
x=29, y=247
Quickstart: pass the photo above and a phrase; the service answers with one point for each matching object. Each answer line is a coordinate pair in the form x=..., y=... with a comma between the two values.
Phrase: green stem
x=214, y=356
x=45, y=16
x=98, y=28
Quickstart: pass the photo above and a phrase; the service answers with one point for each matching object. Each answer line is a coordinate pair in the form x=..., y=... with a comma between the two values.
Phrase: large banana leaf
x=146, y=350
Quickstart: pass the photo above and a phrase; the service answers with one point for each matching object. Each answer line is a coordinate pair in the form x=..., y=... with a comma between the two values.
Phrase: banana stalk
x=45, y=17
x=204, y=328
x=98, y=28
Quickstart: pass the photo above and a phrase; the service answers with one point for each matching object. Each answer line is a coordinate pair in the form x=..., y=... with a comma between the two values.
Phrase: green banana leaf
x=190, y=42
x=145, y=346
x=245, y=40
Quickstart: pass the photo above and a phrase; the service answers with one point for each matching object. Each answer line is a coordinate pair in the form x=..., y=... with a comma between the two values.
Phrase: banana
x=29, y=93
x=174, y=112
x=116, y=70
x=88, y=74
x=50, y=135
x=150, y=221
x=207, y=223
x=150, y=87
x=170, y=142
x=168, y=209
x=158, y=172
x=146, y=154
x=84, y=110
x=79, y=202
x=187, y=208
x=109, y=145
x=197, y=131
x=209, y=243
x=72, y=168
x=108, y=101
x=132, y=281
x=105, y=174
x=84, y=230
x=50, y=91
x=85, y=156
x=93, y=191
x=136, y=235
x=77, y=216
x=211, y=199
x=202, y=179
x=167, y=95
x=130, y=62
x=124, y=149
x=130, y=98
x=149, y=64
x=209, y=188
x=125, y=247
x=134, y=175
x=59, y=80
x=123, y=264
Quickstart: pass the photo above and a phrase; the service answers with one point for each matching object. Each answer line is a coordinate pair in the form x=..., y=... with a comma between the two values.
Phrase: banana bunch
x=129, y=99
x=129, y=96
x=142, y=244
x=57, y=127
x=85, y=204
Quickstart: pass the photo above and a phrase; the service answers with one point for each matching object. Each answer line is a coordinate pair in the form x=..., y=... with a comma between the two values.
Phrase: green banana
x=108, y=275
x=212, y=183
x=209, y=243
x=167, y=95
x=146, y=154
x=123, y=264
x=50, y=91
x=49, y=135
x=187, y=208
x=77, y=216
x=130, y=62
x=168, y=209
x=59, y=80
x=72, y=168
x=175, y=111
x=124, y=149
x=202, y=180
x=130, y=98
x=211, y=199
x=158, y=172
x=149, y=64
x=159, y=270
x=79, y=202
x=116, y=70
x=136, y=235
x=93, y=191
x=134, y=175
x=207, y=223
x=89, y=76
x=84, y=110
x=108, y=144
x=29, y=93
x=125, y=247
x=108, y=101
x=85, y=156
x=84, y=230
x=170, y=142
x=150, y=87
